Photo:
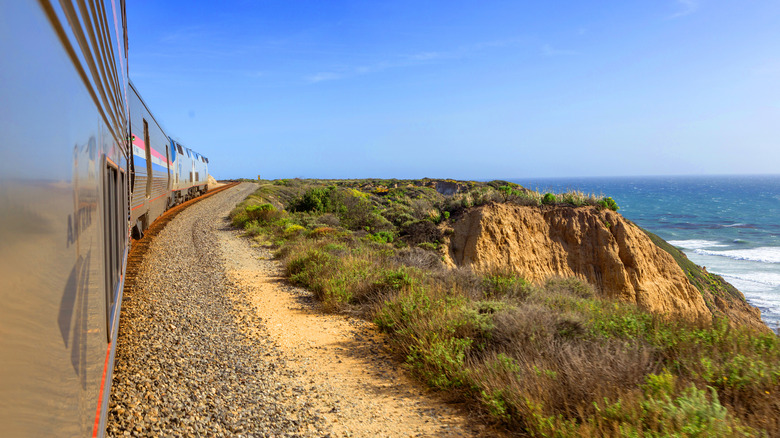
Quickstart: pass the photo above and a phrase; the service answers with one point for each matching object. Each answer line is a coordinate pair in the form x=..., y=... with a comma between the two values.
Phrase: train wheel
x=137, y=232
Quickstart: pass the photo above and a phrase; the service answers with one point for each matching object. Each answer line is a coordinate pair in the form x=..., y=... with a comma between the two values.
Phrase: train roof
x=132, y=86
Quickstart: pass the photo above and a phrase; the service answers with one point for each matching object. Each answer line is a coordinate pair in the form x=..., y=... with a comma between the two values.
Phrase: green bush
x=293, y=229
x=428, y=246
x=253, y=229
x=262, y=212
x=239, y=217
x=314, y=200
x=691, y=413
x=505, y=285
x=608, y=203
x=382, y=237
x=510, y=190
x=548, y=198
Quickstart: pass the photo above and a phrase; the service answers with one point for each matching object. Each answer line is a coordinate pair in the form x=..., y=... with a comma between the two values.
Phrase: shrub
x=691, y=413
x=548, y=198
x=253, y=229
x=428, y=246
x=262, y=212
x=356, y=212
x=569, y=285
x=421, y=232
x=502, y=284
x=293, y=229
x=329, y=219
x=576, y=198
x=608, y=203
x=314, y=200
x=306, y=269
x=417, y=258
x=320, y=232
x=497, y=184
x=382, y=237
x=239, y=217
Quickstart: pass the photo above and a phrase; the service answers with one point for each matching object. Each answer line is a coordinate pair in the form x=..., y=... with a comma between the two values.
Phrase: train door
x=181, y=158
x=115, y=221
x=148, y=149
x=168, y=166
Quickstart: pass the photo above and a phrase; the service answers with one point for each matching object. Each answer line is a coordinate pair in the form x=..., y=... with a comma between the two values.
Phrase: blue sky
x=466, y=90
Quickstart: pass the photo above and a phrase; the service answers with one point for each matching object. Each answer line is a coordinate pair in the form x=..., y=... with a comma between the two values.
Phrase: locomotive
x=85, y=167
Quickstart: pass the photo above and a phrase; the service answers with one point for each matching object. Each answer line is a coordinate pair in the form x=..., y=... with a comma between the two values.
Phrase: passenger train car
x=165, y=173
x=84, y=164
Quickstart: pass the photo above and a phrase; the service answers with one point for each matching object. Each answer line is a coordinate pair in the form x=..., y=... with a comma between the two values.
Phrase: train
x=165, y=173
x=85, y=168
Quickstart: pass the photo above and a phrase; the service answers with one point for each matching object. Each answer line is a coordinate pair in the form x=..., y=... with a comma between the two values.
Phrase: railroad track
x=139, y=248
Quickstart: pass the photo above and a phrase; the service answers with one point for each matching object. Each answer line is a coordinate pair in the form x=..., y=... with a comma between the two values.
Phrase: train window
x=149, y=174
x=178, y=146
x=197, y=176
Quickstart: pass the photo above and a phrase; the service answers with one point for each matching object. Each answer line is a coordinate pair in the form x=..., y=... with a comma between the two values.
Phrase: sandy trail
x=362, y=391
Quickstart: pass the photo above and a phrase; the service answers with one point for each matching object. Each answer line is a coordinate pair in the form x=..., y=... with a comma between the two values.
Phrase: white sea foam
x=766, y=301
x=768, y=279
x=766, y=254
x=697, y=244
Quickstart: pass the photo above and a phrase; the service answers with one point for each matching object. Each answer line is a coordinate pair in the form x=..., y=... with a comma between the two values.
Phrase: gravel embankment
x=184, y=364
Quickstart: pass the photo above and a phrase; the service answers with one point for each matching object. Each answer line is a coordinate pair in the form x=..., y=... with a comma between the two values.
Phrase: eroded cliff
x=595, y=245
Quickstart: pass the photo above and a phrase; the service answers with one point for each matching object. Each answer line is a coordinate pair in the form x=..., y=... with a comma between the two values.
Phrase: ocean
x=730, y=224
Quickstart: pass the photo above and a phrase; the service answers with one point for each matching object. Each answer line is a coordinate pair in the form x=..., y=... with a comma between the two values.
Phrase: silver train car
x=64, y=186
x=74, y=185
x=165, y=173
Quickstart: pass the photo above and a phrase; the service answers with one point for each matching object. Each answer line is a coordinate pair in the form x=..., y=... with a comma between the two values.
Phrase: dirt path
x=362, y=392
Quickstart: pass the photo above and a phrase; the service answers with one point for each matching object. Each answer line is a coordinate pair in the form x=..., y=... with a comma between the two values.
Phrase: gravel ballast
x=184, y=365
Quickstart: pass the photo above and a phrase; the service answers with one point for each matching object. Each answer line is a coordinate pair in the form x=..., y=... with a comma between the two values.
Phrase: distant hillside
x=595, y=243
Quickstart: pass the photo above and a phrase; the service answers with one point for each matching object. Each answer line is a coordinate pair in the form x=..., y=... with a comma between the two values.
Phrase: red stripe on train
x=102, y=387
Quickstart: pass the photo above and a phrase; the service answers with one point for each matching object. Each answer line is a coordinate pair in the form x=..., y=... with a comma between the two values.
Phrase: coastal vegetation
x=548, y=359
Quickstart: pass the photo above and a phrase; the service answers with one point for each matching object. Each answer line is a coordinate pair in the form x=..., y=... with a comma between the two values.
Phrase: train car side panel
x=64, y=117
x=152, y=164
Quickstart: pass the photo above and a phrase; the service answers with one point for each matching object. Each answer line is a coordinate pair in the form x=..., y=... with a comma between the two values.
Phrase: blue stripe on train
x=140, y=165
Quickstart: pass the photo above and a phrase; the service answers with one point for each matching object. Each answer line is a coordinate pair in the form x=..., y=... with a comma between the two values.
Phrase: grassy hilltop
x=551, y=359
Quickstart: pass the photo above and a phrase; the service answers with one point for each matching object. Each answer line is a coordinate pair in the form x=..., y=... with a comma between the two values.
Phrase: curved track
x=140, y=247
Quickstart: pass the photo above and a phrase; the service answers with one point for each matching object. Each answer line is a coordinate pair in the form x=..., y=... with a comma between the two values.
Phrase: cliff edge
x=596, y=245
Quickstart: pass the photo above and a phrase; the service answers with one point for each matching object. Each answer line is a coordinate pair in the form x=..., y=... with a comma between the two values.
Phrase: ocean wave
x=762, y=278
x=766, y=254
x=739, y=226
x=696, y=244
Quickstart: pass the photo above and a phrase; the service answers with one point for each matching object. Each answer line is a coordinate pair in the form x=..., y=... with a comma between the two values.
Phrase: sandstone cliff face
x=598, y=246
